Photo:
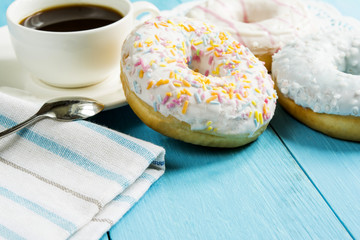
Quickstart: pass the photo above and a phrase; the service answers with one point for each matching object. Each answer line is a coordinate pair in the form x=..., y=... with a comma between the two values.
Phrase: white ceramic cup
x=72, y=59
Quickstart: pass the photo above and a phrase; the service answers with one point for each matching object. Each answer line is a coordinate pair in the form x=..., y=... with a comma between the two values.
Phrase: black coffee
x=71, y=18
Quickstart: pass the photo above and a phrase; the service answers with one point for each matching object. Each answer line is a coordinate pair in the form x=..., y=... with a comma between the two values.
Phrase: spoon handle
x=19, y=126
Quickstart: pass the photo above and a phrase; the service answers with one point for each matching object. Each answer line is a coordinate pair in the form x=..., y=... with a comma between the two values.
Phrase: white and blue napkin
x=61, y=180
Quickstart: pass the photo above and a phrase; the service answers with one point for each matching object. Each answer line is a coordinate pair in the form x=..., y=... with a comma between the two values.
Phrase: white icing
x=262, y=25
x=321, y=72
x=244, y=93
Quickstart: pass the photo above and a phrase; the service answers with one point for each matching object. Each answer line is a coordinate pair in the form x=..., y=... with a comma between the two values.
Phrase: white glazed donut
x=263, y=26
x=189, y=81
x=318, y=81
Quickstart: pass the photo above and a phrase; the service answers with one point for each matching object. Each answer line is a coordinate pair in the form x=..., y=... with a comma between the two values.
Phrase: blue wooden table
x=292, y=183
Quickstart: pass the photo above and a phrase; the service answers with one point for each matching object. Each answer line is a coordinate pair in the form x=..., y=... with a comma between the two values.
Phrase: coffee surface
x=71, y=18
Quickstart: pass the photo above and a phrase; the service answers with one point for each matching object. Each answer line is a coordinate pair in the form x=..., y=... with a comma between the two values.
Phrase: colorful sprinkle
x=151, y=83
x=170, y=60
x=141, y=73
x=197, y=98
x=184, y=109
x=162, y=82
x=176, y=84
x=212, y=98
x=185, y=91
x=186, y=83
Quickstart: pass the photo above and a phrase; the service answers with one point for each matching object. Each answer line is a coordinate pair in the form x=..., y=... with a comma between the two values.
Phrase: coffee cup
x=72, y=59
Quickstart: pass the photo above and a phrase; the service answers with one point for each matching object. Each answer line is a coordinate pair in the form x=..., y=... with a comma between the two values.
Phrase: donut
x=192, y=82
x=263, y=26
x=318, y=82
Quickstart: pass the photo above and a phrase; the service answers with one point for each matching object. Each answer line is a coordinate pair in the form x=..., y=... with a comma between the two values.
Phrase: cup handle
x=142, y=7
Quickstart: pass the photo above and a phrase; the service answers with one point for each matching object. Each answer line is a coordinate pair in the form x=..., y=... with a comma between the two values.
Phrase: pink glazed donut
x=263, y=26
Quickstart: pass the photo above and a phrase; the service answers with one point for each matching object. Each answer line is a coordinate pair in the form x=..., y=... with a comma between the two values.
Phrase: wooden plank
x=105, y=237
x=257, y=191
x=332, y=165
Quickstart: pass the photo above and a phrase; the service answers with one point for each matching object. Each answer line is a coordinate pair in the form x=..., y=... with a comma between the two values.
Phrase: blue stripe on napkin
x=148, y=177
x=52, y=217
x=125, y=198
x=136, y=148
x=65, y=153
x=8, y=234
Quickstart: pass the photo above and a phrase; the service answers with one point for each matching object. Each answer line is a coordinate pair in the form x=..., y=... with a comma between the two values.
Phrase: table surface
x=292, y=183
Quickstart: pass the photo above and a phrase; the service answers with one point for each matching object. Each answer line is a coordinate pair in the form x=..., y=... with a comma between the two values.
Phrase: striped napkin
x=74, y=180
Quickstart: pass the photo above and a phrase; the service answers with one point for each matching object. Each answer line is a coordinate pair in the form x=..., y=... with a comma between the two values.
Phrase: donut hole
x=254, y=12
x=202, y=63
x=195, y=64
x=351, y=61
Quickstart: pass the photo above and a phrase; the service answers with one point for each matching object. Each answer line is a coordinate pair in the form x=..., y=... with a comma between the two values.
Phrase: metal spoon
x=62, y=109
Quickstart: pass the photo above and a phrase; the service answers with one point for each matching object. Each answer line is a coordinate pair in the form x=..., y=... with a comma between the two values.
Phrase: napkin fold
x=74, y=180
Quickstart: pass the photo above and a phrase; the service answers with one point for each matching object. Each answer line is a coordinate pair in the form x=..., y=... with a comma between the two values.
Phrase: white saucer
x=16, y=81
